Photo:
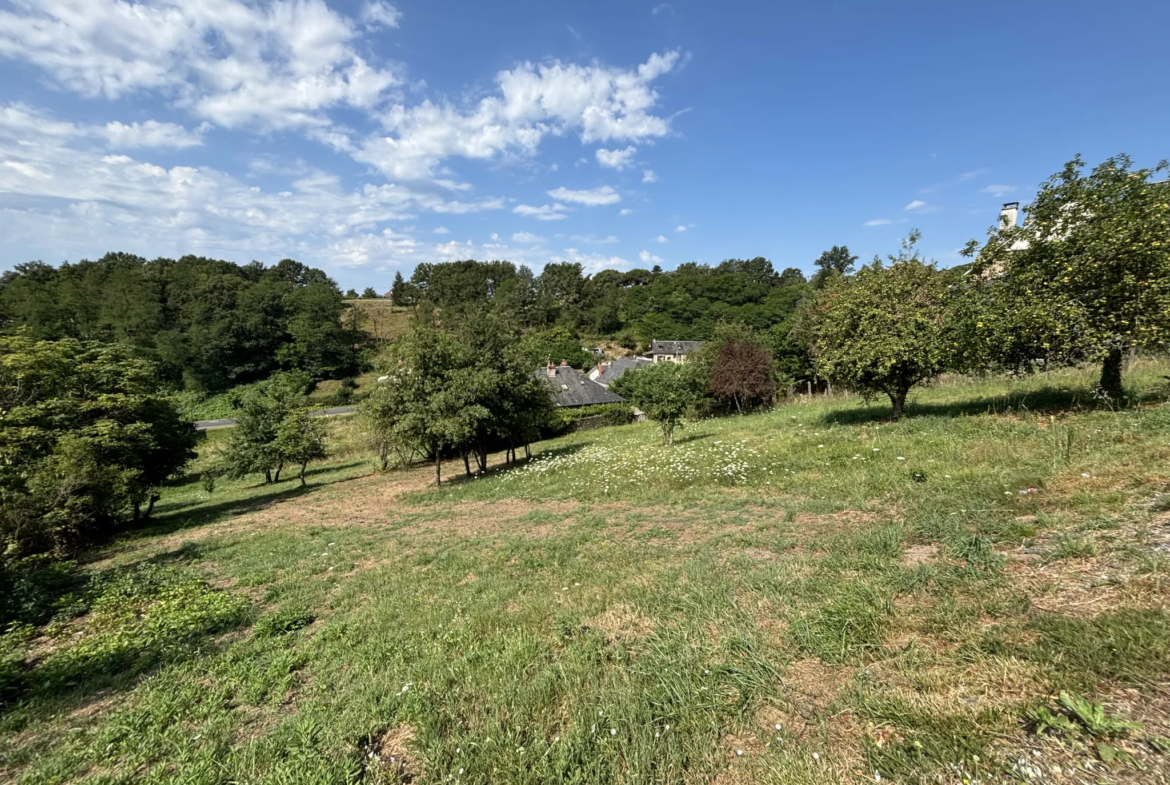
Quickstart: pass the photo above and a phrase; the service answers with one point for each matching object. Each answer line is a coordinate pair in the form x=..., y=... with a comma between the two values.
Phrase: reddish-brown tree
x=742, y=373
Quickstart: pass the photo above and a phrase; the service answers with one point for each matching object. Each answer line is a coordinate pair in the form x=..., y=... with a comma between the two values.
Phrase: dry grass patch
x=621, y=622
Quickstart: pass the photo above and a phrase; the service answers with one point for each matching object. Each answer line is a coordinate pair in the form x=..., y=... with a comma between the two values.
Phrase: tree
x=299, y=440
x=1087, y=277
x=398, y=290
x=86, y=439
x=351, y=294
x=741, y=368
x=833, y=263
x=665, y=392
x=885, y=329
x=369, y=293
x=252, y=446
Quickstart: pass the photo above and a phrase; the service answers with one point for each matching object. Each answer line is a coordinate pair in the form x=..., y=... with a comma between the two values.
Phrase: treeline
x=207, y=324
x=635, y=307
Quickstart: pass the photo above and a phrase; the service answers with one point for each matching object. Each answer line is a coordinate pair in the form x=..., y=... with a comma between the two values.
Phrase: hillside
x=806, y=595
x=382, y=320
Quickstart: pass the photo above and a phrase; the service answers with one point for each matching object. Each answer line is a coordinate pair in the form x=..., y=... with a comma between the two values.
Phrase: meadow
x=812, y=594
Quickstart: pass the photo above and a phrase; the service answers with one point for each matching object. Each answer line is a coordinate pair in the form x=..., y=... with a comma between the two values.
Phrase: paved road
x=336, y=411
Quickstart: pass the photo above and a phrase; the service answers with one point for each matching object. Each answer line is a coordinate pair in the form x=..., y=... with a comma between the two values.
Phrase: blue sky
x=365, y=136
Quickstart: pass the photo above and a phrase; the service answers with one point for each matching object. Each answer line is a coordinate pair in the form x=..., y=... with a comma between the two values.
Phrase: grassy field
x=807, y=595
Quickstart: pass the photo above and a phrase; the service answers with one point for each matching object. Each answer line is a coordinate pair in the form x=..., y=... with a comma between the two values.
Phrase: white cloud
x=592, y=262
x=275, y=65
x=972, y=175
x=76, y=199
x=150, y=134
x=599, y=103
x=616, y=159
x=625, y=211
x=661, y=8
x=548, y=212
x=649, y=258
x=648, y=176
x=917, y=204
x=661, y=239
x=495, y=236
x=999, y=190
x=593, y=239
x=527, y=237
x=682, y=228
x=592, y=198
x=23, y=120
x=442, y=230
x=380, y=14
x=877, y=222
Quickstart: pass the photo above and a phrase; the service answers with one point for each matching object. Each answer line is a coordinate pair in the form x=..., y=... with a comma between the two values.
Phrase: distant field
x=807, y=595
x=383, y=321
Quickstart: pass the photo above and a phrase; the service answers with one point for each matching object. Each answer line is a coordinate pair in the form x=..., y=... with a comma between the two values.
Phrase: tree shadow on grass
x=1045, y=400
x=175, y=516
x=694, y=437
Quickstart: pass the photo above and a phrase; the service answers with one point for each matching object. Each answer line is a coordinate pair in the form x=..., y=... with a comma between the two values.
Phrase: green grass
x=616, y=611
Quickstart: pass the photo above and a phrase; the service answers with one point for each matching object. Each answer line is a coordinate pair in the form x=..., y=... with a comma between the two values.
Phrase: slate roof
x=674, y=347
x=569, y=387
x=619, y=366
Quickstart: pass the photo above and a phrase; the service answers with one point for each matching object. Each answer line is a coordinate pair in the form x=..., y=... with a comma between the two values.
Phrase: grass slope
x=809, y=595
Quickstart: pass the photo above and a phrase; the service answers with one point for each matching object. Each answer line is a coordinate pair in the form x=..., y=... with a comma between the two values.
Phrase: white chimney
x=1008, y=215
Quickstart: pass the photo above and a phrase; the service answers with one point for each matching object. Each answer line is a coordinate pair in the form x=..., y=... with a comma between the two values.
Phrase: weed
x=281, y=622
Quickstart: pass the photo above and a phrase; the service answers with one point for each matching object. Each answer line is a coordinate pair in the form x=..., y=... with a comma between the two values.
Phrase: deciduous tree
x=885, y=329
x=1087, y=276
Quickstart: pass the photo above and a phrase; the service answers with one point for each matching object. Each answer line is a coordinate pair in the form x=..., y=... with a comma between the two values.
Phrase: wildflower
x=613, y=731
x=461, y=771
x=900, y=458
x=777, y=726
x=816, y=756
x=739, y=752
x=594, y=728
x=668, y=727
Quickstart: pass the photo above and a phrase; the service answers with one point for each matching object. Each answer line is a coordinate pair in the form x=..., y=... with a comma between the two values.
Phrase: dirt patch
x=918, y=554
x=810, y=687
x=621, y=622
x=389, y=754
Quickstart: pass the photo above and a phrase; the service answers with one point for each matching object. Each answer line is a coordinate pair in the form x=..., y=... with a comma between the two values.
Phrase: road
x=336, y=411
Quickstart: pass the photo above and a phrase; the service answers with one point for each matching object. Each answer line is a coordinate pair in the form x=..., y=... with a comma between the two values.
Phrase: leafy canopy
x=1088, y=274
x=885, y=329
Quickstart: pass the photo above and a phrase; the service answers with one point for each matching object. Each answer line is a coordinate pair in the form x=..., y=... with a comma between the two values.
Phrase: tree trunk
x=1111, y=374
x=438, y=470
x=279, y=469
x=898, y=402
x=267, y=476
x=137, y=511
x=154, y=497
x=527, y=452
x=466, y=464
x=303, y=465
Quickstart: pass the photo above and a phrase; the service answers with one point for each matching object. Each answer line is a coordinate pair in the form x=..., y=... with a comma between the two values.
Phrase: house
x=569, y=387
x=606, y=373
x=672, y=351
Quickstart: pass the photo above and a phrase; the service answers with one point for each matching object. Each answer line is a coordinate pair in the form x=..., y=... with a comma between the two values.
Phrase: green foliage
x=469, y=392
x=208, y=324
x=1088, y=274
x=252, y=446
x=665, y=392
x=833, y=263
x=885, y=329
x=300, y=439
x=85, y=441
x=554, y=345
x=282, y=622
